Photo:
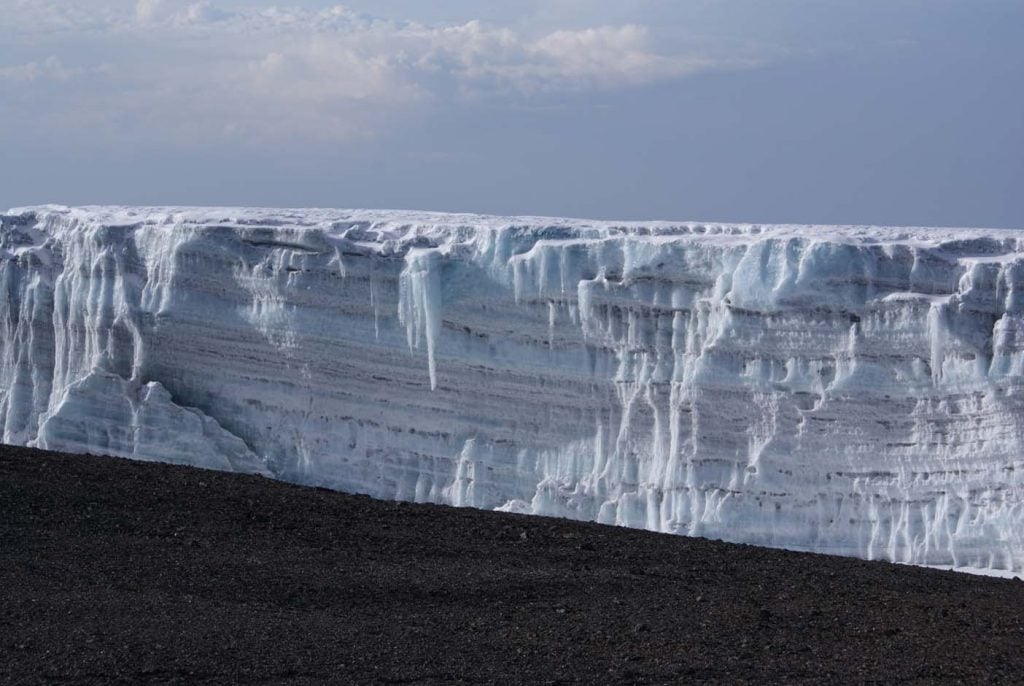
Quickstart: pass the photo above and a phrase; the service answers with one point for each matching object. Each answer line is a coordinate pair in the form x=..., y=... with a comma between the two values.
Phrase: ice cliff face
x=848, y=390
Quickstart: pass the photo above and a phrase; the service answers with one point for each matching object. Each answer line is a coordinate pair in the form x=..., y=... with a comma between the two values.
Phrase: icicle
x=419, y=303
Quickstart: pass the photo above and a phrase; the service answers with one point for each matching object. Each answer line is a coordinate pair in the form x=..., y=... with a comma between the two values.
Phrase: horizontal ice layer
x=852, y=390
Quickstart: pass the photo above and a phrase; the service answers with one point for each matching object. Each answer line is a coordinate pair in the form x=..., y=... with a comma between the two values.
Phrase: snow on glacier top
x=403, y=226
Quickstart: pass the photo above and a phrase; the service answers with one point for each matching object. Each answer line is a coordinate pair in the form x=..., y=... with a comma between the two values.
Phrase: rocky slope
x=114, y=571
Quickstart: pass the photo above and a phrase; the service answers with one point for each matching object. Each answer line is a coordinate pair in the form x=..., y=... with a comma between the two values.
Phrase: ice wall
x=850, y=390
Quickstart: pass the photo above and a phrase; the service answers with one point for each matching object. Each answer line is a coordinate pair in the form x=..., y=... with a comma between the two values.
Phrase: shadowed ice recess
x=848, y=390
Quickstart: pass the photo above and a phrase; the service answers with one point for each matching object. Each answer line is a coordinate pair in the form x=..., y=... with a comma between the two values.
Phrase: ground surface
x=112, y=570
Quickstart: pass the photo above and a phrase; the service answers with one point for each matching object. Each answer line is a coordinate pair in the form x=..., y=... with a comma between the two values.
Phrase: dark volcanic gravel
x=112, y=570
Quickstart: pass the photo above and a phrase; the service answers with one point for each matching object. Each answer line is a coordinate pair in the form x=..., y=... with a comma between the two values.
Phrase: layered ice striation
x=849, y=390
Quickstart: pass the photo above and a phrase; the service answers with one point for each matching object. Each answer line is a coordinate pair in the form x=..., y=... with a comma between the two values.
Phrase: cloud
x=199, y=73
x=50, y=69
x=146, y=10
x=149, y=12
x=595, y=58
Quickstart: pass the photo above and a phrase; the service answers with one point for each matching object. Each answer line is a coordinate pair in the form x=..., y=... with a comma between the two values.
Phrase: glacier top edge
x=402, y=225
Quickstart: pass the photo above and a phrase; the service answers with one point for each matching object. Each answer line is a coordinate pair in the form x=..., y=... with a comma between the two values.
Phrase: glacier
x=847, y=390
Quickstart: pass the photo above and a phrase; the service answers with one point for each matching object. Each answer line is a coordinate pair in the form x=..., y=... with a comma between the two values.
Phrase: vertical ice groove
x=937, y=339
x=375, y=304
x=552, y=316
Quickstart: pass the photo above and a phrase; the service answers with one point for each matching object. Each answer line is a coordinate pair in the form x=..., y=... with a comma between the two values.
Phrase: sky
x=900, y=112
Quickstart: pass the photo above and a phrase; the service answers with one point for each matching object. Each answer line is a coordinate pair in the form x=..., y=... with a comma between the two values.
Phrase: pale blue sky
x=816, y=111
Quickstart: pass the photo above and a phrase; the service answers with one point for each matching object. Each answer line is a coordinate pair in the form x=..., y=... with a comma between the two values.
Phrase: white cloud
x=146, y=10
x=604, y=57
x=50, y=69
x=194, y=71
